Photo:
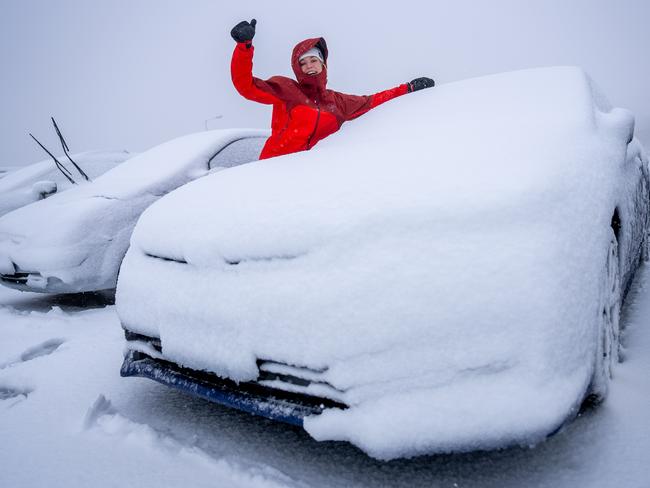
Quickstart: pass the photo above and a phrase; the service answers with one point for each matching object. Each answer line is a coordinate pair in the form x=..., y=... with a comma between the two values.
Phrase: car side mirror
x=43, y=189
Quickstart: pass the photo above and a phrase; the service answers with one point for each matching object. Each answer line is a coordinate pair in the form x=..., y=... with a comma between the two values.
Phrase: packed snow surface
x=78, y=238
x=24, y=185
x=440, y=260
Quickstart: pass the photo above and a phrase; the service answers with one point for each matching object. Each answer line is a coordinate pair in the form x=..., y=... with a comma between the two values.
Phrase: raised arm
x=241, y=66
x=360, y=105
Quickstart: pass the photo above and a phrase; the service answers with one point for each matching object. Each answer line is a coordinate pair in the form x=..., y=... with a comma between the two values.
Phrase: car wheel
x=607, y=350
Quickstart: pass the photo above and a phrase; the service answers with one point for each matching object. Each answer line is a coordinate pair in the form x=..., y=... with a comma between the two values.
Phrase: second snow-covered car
x=75, y=241
x=445, y=275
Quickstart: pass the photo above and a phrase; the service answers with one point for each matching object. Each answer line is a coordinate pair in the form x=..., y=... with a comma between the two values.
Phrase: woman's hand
x=244, y=31
x=420, y=84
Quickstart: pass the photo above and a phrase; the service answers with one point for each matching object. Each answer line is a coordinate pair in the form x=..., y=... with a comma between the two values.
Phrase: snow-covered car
x=445, y=276
x=21, y=186
x=75, y=241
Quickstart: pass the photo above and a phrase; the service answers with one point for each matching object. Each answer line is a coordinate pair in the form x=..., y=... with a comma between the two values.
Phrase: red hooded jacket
x=304, y=112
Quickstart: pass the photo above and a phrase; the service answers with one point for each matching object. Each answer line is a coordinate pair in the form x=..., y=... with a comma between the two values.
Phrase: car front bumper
x=251, y=397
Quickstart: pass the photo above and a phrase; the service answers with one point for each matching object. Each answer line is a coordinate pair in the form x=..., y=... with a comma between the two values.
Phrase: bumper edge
x=216, y=389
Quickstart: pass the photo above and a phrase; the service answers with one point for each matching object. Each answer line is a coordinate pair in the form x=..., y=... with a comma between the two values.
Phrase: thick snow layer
x=440, y=259
x=78, y=238
x=22, y=186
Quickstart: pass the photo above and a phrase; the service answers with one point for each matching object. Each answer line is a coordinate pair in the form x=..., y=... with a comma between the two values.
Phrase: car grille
x=287, y=393
x=297, y=379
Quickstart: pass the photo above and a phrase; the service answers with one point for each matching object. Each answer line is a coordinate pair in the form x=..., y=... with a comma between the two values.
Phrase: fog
x=131, y=74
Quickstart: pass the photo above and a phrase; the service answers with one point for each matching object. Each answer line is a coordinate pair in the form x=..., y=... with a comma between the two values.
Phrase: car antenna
x=62, y=168
x=64, y=145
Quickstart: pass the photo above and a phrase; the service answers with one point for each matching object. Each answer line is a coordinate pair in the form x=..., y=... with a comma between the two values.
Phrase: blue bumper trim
x=247, y=397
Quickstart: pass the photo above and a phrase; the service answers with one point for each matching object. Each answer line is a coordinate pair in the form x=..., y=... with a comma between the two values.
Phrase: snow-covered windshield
x=238, y=152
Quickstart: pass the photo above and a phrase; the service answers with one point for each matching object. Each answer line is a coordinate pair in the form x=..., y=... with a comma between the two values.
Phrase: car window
x=238, y=152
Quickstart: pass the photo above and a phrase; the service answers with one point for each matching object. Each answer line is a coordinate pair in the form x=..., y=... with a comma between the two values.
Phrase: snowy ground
x=68, y=419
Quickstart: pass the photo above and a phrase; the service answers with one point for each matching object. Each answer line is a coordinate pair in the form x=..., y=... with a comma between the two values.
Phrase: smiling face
x=311, y=65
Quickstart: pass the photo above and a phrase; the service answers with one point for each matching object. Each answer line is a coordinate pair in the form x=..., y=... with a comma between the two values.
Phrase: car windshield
x=238, y=152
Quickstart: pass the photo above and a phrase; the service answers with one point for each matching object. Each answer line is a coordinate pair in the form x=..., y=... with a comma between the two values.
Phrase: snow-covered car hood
x=90, y=225
x=515, y=141
x=413, y=258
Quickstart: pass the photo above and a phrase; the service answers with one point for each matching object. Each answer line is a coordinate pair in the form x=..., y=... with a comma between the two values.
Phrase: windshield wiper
x=64, y=145
x=62, y=168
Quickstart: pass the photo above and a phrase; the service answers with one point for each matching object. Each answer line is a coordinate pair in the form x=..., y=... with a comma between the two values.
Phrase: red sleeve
x=360, y=105
x=241, y=71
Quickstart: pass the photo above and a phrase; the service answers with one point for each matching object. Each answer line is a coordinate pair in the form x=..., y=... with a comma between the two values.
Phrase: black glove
x=420, y=84
x=244, y=32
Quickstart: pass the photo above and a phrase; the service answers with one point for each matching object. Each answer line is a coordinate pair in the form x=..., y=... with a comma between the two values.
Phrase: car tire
x=607, y=347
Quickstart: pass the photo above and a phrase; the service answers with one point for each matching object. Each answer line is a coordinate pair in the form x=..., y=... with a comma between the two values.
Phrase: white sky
x=131, y=74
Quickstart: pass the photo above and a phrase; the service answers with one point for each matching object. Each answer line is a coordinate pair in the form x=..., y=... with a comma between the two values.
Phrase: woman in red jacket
x=304, y=112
